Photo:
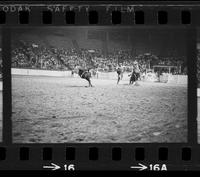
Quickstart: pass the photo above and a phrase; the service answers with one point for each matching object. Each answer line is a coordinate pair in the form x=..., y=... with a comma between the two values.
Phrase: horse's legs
x=137, y=78
x=130, y=81
x=118, y=79
x=89, y=81
x=133, y=80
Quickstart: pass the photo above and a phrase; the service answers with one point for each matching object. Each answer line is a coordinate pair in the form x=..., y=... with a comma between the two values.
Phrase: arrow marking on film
x=53, y=167
x=140, y=167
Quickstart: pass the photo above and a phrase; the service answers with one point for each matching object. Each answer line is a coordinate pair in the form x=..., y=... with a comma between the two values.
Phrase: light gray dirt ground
x=198, y=119
x=1, y=112
x=59, y=110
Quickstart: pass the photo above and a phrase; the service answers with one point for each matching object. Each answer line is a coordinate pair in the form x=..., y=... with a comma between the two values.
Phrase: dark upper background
x=167, y=42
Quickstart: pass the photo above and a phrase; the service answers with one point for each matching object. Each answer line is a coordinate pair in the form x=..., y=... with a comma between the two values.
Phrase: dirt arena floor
x=198, y=119
x=63, y=110
x=1, y=115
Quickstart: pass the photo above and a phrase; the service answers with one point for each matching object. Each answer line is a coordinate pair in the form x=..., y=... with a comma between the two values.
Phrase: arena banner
x=99, y=86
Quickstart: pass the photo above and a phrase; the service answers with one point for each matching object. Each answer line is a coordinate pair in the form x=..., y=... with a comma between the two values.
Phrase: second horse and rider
x=86, y=74
x=134, y=76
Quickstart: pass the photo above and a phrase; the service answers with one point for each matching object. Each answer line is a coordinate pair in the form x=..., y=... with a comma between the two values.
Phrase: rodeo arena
x=198, y=85
x=98, y=85
x=1, y=98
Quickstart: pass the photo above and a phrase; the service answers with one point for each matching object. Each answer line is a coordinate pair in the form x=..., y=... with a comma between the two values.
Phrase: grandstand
x=101, y=48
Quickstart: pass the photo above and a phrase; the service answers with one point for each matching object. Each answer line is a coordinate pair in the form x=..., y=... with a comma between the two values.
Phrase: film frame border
x=82, y=150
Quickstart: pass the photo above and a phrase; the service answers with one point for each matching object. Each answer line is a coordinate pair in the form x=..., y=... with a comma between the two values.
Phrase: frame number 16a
x=151, y=167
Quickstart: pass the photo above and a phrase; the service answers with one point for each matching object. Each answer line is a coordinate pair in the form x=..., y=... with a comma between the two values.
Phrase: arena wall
x=1, y=85
x=177, y=79
x=173, y=79
x=34, y=72
x=198, y=92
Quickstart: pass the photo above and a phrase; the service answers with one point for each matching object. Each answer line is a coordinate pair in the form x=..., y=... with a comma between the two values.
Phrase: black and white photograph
x=198, y=84
x=1, y=91
x=99, y=84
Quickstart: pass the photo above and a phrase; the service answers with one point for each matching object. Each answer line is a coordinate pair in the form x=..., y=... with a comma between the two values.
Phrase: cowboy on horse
x=135, y=74
x=84, y=74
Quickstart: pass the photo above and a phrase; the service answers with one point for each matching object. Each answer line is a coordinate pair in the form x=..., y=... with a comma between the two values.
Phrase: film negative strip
x=100, y=86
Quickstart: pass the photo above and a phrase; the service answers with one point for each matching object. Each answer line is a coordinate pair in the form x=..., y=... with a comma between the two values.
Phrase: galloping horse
x=84, y=74
x=135, y=75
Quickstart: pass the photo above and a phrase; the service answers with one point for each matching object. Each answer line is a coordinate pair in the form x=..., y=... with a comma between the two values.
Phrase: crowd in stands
x=30, y=55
